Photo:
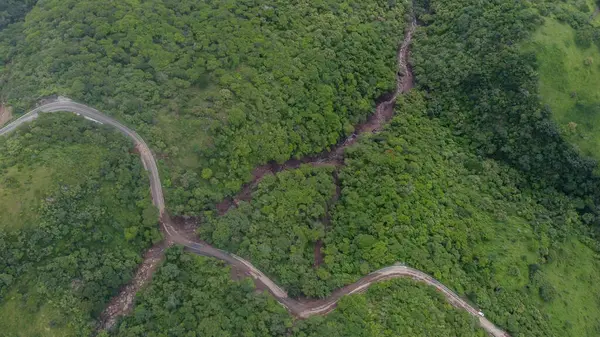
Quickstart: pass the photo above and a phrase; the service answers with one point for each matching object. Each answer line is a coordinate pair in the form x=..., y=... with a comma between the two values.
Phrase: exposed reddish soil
x=185, y=224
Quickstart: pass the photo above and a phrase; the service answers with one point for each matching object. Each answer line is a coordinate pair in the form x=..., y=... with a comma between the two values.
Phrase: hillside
x=76, y=216
x=568, y=54
x=218, y=88
x=343, y=168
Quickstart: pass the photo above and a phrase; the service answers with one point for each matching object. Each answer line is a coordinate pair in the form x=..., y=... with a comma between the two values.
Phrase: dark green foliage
x=90, y=234
x=195, y=296
x=279, y=228
x=225, y=85
x=14, y=10
x=415, y=194
x=482, y=86
x=394, y=308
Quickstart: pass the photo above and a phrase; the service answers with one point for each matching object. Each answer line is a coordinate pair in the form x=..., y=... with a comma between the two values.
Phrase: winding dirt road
x=123, y=303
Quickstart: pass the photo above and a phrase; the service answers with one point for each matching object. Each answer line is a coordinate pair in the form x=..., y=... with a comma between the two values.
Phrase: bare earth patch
x=5, y=114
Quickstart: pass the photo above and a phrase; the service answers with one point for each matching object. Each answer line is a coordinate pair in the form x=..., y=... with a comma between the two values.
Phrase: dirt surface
x=122, y=304
x=319, y=257
x=176, y=233
x=5, y=114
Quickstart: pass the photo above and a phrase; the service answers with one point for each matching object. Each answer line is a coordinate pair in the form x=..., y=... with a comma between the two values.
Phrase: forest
x=12, y=11
x=175, y=305
x=279, y=228
x=215, y=86
x=472, y=182
x=417, y=195
x=89, y=218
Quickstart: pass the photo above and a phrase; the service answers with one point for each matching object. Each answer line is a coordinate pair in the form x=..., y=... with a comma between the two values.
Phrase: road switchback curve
x=301, y=309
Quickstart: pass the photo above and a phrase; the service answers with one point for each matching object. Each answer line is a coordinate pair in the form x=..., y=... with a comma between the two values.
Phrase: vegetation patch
x=186, y=285
x=76, y=233
x=279, y=228
x=569, y=81
x=415, y=194
x=218, y=85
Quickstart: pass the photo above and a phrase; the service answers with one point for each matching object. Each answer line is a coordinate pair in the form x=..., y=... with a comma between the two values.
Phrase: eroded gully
x=123, y=303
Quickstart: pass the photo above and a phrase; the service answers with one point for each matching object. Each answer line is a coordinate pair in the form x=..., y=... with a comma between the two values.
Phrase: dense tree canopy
x=219, y=85
x=279, y=228
x=472, y=182
x=416, y=194
x=195, y=296
x=485, y=88
x=86, y=241
x=14, y=10
x=393, y=308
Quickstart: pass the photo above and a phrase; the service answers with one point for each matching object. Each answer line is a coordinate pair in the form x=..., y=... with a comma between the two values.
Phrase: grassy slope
x=576, y=275
x=568, y=85
x=19, y=318
x=23, y=187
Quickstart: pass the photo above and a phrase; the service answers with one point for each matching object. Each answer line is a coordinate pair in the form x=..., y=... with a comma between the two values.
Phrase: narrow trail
x=335, y=157
x=122, y=304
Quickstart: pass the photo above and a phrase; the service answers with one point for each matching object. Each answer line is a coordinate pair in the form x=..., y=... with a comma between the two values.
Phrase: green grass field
x=573, y=270
x=570, y=86
x=574, y=274
x=23, y=187
x=569, y=83
x=21, y=318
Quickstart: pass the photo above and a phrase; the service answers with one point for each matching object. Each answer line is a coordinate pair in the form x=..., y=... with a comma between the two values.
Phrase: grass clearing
x=23, y=187
x=574, y=274
x=511, y=251
x=21, y=193
x=569, y=82
x=20, y=318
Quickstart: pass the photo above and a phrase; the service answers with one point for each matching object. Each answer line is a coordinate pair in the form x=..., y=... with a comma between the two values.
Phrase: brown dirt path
x=374, y=123
x=5, y=114
x=123, y=303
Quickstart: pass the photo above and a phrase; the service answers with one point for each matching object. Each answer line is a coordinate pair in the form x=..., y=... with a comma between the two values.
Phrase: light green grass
x=573, y=270
x=23, y=319
x=21, y=192
x=569, y=86
x=512, y=250
x=575, y=274
x=24, y=187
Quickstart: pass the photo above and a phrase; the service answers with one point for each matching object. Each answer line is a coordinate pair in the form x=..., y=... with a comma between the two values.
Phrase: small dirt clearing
x=5, y=114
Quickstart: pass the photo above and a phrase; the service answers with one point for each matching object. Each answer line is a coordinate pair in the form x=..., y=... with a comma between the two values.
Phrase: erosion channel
x=123, y=303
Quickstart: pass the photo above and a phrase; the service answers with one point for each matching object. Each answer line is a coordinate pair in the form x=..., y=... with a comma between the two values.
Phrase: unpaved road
x=123, y=303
